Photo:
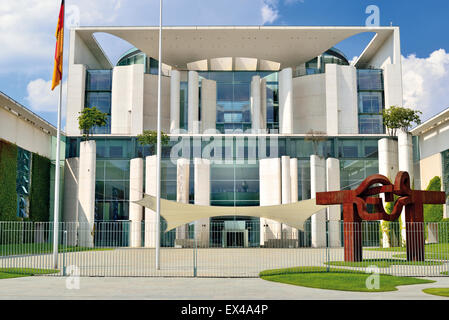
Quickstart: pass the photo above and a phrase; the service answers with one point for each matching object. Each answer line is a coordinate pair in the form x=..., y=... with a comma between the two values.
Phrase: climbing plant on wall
x=40, y=189
x=8, y=175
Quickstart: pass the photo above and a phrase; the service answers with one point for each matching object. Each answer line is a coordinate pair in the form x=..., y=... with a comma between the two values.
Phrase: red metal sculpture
x=355, y=210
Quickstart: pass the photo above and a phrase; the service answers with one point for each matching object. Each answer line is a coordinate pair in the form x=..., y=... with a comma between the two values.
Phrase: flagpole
x=158, y=193
x=57, y=170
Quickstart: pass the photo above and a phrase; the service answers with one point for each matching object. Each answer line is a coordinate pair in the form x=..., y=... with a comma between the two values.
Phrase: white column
x=182, y=191
x=127, y=100
x=388, y=158
x=286, y=192
x=70, y=211
x=332, y=100
x=286, y=180
x=388, y=166
x=208, y=105
x=135, y=194
x=286, y=101
x=150, y=189
x=294, y=179
x=263, y=104
x=333, y=212
x=255, y=104
x=175, y=92
x=294, y=189
x=270, y=194
x=76, y=96
x=86, y=193
x=193, y=102
x=202, y=198
x=405, y=159
x=318, y=184
x=393, y=85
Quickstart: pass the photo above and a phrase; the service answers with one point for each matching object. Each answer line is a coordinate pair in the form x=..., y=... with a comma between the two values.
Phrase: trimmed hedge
x=40, y=189
x=433, y=212
x=8, y=176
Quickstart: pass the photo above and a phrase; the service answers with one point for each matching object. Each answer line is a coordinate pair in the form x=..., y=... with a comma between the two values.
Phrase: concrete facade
x=270, y=194
x=202, y=198
x=151, y=189
x=333, y=212
x=182, y=191
x=127, y=100
x=86, y=193
x=318, y=184
x=286, y=101
x=135, y=194
x=193, y=106
x=175, y=78
x=208, y=105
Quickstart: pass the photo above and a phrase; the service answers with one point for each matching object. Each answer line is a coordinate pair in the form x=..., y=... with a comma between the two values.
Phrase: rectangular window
x=370, y=124
x=371, y=101
x=98, y=94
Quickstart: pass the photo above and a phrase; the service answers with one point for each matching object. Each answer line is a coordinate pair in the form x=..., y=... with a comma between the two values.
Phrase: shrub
x=8, y=176
x=433, y=212
x=40, y=189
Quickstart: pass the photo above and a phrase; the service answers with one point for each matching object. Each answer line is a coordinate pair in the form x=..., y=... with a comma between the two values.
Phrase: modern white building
x=27, y=163
x=432, y=152
x=256, y=116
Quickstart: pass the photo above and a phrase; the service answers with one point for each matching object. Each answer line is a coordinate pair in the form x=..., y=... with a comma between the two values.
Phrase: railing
x=224, y=249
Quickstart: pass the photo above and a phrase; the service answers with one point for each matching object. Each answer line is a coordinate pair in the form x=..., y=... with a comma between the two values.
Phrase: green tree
x=400, y=118
x=149, y=137
x=433, y=212
x=90, y=118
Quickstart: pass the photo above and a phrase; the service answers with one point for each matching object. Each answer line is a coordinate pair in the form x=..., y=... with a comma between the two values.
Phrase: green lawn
x=436, y=251
x=40, y=248
x=382, y=263
x=442, y=292
x=336, y=279
x=8, y=273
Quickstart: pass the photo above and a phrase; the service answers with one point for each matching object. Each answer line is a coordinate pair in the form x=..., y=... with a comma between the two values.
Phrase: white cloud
x=353, y=60
x=269, y=11
x=40, y=97
x=426, y=82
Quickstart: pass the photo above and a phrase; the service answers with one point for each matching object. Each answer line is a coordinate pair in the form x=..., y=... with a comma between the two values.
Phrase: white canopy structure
x=177, y=214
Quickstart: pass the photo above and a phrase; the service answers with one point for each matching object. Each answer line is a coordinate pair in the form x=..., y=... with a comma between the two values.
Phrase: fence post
x=194, y=257
x=64, y=249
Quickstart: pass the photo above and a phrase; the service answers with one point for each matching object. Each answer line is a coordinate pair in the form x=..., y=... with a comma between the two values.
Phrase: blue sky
x=28, y=27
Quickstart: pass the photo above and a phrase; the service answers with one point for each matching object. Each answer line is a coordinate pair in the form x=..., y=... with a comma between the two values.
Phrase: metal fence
x=223, y=249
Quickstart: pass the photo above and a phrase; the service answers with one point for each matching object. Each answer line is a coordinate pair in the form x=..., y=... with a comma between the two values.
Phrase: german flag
x=57, y=71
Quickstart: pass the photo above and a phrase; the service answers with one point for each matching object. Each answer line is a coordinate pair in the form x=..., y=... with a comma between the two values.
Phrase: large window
x=234, y=99
x=98, y=94
x=371, y=101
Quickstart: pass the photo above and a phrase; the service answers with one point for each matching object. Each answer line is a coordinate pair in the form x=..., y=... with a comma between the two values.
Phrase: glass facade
x=318, y=64
x=370, y=89
x=98, y=94
x=23, y=183
x=234, y=182
x=234, y=96
x=135, y=56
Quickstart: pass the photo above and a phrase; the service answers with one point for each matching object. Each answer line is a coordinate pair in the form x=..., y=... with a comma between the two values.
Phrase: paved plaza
x=191, y=289
x=213, y=262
